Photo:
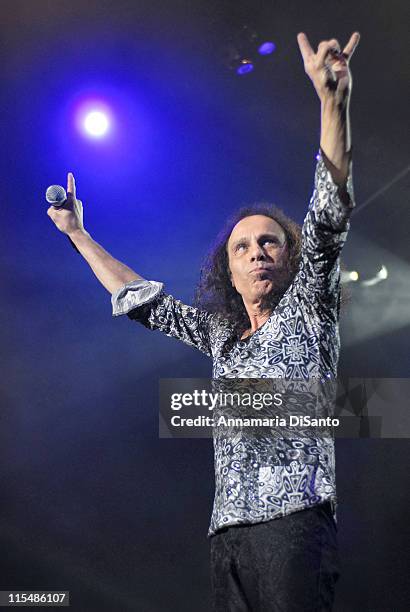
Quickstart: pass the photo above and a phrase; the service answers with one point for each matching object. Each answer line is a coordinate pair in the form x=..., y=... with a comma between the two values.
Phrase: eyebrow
x=261, y=237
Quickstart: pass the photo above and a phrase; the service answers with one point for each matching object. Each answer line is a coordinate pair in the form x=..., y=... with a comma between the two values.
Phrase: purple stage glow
x=106, y=126
x=266, y=48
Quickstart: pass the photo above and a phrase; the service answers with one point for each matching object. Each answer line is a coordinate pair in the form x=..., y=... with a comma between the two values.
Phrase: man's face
x=257, y=255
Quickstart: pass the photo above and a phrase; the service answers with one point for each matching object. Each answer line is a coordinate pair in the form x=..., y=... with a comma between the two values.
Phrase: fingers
x=71, y=185
x=80, y=210
x=325, y=48
x=304, y=46
x=351, y=45
x=78, y=206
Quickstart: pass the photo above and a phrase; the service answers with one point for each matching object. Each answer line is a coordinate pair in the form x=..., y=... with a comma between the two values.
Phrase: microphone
x=56, y=196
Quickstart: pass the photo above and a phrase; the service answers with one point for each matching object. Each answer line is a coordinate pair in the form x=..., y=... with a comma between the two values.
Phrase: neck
x=260, y=309
x=258, y=315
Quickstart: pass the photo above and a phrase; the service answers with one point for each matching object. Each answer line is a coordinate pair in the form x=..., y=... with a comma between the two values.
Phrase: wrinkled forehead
x=256, y=225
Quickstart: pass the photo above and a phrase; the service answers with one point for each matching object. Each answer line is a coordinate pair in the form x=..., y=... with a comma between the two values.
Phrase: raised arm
x=330, y=74
x=111, y=273
x=326, y=224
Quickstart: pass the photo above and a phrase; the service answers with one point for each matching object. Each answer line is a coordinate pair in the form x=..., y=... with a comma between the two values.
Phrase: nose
x=256, y=252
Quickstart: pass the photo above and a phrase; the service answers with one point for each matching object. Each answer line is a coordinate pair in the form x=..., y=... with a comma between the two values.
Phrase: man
x=273, y=298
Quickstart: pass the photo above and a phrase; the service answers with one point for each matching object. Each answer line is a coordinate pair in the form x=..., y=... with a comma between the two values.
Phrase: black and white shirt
x=300, y=340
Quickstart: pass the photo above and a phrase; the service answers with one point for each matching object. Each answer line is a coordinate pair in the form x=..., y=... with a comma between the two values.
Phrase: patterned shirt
x=300, y=340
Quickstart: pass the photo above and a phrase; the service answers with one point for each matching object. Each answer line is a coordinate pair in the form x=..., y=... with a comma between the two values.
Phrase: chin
x=263, y=287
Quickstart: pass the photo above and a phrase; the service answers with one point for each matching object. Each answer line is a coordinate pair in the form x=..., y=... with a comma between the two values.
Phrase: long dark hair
x=214, y=291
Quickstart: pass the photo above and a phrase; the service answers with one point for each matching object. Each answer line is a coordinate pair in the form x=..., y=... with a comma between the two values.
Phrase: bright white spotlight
x=96, y=123
x=383, y=272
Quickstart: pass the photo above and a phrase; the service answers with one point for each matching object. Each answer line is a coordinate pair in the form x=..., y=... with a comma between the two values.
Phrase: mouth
x=260, y=270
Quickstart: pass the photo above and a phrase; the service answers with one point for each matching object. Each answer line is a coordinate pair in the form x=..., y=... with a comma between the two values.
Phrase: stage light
x=93, y=116
x=348, y=276
x=266, y=48
x=96, y=123
x=383, y=272
x=244, y=67
x=380, y=276
x=243, y=49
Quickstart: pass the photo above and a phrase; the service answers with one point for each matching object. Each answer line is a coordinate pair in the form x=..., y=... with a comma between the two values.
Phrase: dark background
x=91, y=500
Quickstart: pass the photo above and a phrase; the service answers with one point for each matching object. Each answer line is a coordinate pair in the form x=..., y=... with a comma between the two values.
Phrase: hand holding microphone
x=65, y=211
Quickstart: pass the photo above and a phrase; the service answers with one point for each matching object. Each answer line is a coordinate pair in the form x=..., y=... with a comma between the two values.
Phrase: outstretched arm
x=142, y=300
x=329, y=72
x=111, y=273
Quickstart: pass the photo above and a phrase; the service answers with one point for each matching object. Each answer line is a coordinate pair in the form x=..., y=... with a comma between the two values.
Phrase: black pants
x=288, y=564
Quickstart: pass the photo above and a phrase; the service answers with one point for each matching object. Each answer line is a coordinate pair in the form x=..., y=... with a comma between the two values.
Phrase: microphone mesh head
x=56, y=195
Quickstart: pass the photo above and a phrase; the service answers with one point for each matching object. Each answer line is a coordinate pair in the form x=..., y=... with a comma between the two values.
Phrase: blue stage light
x=245, y=67
x=266, y=48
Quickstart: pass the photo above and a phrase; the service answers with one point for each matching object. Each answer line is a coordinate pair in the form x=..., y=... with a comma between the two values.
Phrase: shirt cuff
x=134, y=294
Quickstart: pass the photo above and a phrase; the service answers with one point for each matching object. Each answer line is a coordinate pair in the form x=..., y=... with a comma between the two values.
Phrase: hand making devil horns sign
x=328, y=69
